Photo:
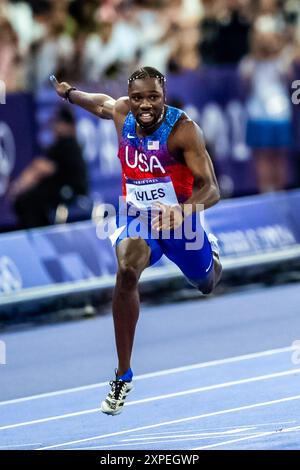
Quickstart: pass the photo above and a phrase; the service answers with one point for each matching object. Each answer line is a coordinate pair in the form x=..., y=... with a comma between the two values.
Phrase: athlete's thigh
x=133, y=252
x=193, y=256
x=135, y=246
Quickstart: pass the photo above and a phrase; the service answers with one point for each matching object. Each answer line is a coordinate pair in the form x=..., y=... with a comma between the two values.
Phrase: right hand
x=61, y=87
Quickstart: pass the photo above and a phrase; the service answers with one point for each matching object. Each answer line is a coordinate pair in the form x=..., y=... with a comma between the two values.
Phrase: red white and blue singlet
x=150, y=174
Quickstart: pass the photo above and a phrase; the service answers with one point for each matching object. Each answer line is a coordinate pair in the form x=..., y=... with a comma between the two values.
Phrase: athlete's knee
x=127, y=276
x=209, y=283
x=133, y=252
x=205, y=286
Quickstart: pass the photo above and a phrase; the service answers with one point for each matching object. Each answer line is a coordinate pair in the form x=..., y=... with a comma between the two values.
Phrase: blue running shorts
x=187, y=246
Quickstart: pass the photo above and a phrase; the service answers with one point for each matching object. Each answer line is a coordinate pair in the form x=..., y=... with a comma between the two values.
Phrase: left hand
x=169, y=217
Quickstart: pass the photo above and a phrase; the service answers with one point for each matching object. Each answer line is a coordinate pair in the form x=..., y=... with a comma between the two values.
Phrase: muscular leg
x=207, y=286
x=133, y=257
x=200, y=263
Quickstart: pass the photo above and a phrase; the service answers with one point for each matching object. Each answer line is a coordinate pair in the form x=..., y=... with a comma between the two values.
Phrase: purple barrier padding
x=255, y=224
x=294, y=207
x=54, y=255
x=17, y=146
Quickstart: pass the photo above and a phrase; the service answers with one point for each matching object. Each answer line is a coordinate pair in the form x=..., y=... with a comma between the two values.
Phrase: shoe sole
x=113, y=413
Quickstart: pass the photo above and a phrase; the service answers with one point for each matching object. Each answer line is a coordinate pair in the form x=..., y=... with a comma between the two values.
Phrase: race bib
x=144, y=193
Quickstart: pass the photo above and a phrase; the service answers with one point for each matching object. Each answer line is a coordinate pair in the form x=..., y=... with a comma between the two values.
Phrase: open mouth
x=146, y=117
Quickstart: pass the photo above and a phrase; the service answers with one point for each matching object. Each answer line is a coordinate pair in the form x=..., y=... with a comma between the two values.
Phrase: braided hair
x=148, y=72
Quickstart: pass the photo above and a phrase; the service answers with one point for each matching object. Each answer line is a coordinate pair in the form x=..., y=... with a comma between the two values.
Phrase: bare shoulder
x=121, y=109
x=187, y=131
x=121, y=106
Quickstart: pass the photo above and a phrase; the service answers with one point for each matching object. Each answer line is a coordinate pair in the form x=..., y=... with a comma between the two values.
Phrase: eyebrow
x=140, y=92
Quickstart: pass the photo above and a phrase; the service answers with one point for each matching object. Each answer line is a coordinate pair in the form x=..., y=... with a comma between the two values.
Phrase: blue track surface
x=219, y=373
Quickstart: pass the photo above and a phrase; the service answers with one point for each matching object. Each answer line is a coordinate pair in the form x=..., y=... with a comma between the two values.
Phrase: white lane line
x=51, y=418
x=150, y=441
x=256, y=436
x=203, y=435
x=216, y=429
x=159, y=397
x=13, y=446
x=176, y=370
x=152, y=438
x=217, y=386
x=175, y=421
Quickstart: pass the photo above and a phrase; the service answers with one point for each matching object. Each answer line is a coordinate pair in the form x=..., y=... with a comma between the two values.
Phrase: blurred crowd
x=88, y=40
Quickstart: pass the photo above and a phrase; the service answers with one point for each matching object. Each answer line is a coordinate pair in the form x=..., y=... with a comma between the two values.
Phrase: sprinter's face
x=147, y=101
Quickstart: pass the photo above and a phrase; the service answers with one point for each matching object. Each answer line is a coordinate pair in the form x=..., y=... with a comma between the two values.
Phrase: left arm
x=189, y=140
x=197, y=159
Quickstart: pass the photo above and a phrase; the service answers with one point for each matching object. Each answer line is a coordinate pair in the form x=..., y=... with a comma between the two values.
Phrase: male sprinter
x=162, y=153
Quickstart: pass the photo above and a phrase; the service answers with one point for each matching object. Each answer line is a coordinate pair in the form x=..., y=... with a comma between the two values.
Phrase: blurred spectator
x=99, y=53
x=20, y=16
x=184, y=54
x=191, y=11
x=155, y=38
x=233, y=38
x=225, y=31
x=47, y=181
x=269, y=131
x=209, y=31
x=10, y=58
x=172, y=44
x=113, y=47
x=107, y=11
x=55, y=50
x=84, y=14
x=292, y=27
x=87, y=40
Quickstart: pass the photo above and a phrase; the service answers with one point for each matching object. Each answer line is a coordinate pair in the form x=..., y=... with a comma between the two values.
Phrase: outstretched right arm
x=99, y=104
